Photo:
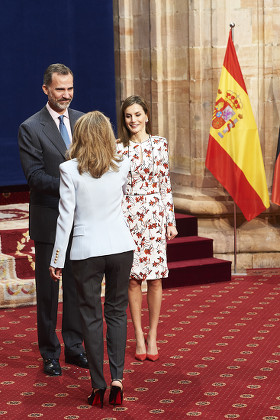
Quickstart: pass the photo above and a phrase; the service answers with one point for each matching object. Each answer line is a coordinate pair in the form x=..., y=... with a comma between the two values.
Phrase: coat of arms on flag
x=227, y=112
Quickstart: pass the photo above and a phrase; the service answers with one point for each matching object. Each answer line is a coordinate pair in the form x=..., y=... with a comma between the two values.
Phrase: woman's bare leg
x=135, y=305
x=154, y=298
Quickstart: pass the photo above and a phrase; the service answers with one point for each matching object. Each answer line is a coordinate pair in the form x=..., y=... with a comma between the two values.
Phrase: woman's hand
x=171, y=232
x=55, y=273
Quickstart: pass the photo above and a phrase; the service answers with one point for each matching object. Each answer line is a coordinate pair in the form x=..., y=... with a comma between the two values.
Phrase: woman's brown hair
x=94, y=145
x=124, y=131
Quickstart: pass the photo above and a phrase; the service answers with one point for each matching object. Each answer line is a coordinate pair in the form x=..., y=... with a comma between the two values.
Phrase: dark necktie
x=63, y=131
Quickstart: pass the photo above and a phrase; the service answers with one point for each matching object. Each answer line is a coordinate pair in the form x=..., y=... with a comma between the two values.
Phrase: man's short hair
x=55, y=68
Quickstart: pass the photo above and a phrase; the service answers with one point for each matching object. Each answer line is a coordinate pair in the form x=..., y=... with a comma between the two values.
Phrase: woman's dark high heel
x=97, y=397
x=116, y=395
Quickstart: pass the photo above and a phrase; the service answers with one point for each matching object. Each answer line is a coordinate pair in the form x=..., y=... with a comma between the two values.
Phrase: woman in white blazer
x=91, y=191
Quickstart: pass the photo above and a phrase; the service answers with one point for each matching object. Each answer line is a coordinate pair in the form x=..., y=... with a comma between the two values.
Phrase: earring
x=147, y=120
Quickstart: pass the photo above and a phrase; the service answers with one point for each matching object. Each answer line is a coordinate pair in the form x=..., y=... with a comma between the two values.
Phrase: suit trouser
x=89, y=274
x=47, y=293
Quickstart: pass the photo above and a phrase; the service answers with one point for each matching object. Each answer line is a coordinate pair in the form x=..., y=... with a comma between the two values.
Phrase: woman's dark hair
x=131, y=100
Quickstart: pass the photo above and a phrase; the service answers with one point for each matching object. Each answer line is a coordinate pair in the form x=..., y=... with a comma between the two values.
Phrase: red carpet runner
x=219, y=359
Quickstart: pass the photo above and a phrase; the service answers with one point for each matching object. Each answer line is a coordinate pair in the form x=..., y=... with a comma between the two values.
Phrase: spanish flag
x=275, y=197
x=234, y=154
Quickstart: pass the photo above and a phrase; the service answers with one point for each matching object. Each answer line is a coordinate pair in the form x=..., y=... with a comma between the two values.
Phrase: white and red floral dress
x=148, y=206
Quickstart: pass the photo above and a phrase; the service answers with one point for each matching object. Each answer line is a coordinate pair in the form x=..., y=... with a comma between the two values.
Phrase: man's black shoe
x=78, y=360
x=52, y=367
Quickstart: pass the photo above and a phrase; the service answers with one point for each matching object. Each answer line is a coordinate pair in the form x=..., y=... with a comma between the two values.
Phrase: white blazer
x=93, y=208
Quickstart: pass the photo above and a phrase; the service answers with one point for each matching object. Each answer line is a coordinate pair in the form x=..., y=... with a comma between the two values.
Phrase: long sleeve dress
x=148, y=206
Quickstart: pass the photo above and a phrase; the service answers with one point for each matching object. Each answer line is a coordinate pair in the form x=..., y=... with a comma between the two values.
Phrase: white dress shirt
x=55, y=116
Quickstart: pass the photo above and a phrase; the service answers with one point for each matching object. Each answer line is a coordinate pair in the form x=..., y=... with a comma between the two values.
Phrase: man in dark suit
x=43, y=143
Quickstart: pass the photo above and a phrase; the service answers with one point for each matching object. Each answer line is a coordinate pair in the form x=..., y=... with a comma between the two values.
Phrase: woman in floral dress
x=148, y=206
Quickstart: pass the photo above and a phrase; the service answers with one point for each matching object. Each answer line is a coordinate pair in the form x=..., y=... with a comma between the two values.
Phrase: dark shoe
x=78, y=360
x=116, y=395
x=97, y=397
x=52, y=367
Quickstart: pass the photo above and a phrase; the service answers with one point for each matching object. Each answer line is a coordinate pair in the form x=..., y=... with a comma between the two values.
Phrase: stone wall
x=171, y=52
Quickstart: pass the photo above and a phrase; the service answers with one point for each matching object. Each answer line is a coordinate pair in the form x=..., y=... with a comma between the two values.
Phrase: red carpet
x=13, y=195
x=17, y=243
x=17, y=262
x=219, y=359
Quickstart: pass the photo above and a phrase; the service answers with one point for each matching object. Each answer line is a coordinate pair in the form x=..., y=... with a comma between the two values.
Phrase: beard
x=60, y=105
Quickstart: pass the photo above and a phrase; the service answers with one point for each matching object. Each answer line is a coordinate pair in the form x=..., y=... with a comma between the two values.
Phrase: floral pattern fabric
x=148, y=205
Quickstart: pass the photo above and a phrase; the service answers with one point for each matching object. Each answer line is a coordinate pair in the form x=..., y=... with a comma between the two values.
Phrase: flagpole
x=234, y=235
x=232, y=25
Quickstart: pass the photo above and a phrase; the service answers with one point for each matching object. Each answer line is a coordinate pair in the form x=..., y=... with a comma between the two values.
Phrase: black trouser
x=89, y=274
x=47, y=291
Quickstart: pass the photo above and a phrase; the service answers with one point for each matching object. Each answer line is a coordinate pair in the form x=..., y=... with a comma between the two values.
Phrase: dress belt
x=136, y=194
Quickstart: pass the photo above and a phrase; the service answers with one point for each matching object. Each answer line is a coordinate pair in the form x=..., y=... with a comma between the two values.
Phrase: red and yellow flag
x=234, y=154
x=275, y=197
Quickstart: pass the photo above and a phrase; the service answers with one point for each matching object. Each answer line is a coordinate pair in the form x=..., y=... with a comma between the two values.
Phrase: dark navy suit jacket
x=42, y=150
